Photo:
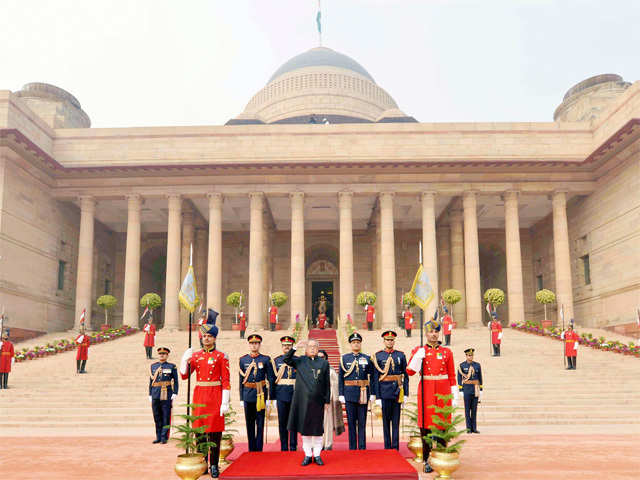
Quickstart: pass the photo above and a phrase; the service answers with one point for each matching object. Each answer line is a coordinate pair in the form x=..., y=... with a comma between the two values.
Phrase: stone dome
x=587, y=99
x=320, y=86
x=57, y=107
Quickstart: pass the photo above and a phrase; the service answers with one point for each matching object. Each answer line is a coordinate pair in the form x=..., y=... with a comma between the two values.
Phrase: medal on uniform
x=210, y=360
x=439, y=356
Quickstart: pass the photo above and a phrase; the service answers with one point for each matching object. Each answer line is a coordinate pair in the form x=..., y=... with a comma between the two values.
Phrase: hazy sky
x=198, y=62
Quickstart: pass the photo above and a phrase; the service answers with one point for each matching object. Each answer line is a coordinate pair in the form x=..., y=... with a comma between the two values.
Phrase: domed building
x=321, y=186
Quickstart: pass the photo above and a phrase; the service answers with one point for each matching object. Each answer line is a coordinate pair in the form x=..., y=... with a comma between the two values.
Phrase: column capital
x=560, y=195
x=469, y=194
x=296, y=195
x=215, y=195
x=510, y=195
x=215, y=199
x=345, y=193
x=134, y=200
x=345, y=199
x=87, y=202
x=256, y=194
x=387, y=194
x=429, y=194
x=175, y=201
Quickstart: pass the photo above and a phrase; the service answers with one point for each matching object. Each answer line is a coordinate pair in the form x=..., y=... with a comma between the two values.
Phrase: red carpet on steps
x=342, y=465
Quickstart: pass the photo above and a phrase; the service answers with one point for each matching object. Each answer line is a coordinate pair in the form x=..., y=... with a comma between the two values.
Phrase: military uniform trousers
x=255, y=426
x=357, y=422
x=471, y=410
x=288, y=440
x=162, y=417
x=391, y=423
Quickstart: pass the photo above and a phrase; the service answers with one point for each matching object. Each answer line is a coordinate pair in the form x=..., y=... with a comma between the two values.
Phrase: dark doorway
x=318, y=290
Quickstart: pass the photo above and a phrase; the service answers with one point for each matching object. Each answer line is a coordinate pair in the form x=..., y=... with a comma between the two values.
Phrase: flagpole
x=190, y=323
x=564, y=358
x=421, y=343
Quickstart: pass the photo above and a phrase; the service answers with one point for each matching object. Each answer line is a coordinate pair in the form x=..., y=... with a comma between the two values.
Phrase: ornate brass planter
x=444, y=463
x=191, y=466
x=226, y=447
x=377, y=411
x=415, y=445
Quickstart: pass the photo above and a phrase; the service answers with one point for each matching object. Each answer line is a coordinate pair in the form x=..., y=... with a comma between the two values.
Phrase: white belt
x=435, y=377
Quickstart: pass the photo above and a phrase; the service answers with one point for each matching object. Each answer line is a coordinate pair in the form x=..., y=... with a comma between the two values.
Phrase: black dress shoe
x=427, y=468
x=164, y=440
x=476, y=431
x=306, y=461
x=318, y=460
x=156, y=441
x=214, y=472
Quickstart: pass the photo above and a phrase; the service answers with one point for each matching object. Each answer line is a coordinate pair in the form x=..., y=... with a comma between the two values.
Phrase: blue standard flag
x=421, y=290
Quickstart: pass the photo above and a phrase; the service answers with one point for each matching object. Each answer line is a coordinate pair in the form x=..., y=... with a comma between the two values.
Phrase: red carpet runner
x=342, y=465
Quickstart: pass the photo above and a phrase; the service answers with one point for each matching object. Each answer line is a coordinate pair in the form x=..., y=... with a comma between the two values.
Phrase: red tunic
x=210, y=366
x=149, y=335
x=273, y=314
x=322, y=320
x=570, y=340
x=447, y=324
x=496, y=330
x=408, y=319
x=242, y=320
x=83, y=347
x=6, y=354
x=438, y=365
x=371, y=313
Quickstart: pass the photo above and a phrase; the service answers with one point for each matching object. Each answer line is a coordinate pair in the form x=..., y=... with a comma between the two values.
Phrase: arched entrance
x=493, y=274
x=322, y=282
x=153, y=278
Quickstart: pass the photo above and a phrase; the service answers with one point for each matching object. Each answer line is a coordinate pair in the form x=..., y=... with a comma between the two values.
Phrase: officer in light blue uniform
x=391, y=386
x=470, y=384
x=285, y=379
x=355, y=382
x=163, y=389
x=256, y=373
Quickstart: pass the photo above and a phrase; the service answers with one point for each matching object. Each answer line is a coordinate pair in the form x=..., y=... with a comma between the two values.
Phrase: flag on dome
x=421, y=290
x=319, y=18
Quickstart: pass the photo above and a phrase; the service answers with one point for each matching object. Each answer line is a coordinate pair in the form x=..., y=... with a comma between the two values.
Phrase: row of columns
x=464, y=254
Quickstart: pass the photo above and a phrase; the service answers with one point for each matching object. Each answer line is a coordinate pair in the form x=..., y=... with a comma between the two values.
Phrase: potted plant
x=545, y=297
x=107, y=302
x=494, y=297
x=410, y=427
x=452, y=296
x=152, y=301
x=226, y=446
x=191, y=464
x=235, y=299
x=279, y=298
x=445, y=454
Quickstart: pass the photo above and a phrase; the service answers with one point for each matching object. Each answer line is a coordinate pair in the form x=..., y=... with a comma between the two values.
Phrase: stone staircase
x=526, y=390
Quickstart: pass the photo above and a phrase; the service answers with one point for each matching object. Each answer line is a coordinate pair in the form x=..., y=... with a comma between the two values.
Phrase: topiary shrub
x=366, y=298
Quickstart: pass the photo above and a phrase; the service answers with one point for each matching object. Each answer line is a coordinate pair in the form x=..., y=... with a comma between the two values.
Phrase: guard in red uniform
x=438, y=376
x=408, y=319
x=370, y=316
x=496, y=334
x=149, y=330
x=273, y=317
x=322, y=320
x=7, y=359
x=213, y=387
x=82, y=352
x=242, y=320
x=447, y=325
x=571, y=342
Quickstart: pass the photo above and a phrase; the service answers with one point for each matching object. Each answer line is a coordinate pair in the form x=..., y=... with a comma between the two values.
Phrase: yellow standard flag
x=421, y=290
x=188, y=292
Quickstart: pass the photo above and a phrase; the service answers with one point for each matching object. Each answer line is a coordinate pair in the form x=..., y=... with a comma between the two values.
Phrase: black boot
x=6, y=380
x=82, y=365
x=306, y=461
x=78, y=362
x=427, y=468
x=214, y=471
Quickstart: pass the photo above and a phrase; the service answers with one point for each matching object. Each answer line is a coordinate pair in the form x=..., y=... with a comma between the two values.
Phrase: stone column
x=472, y=260
x=214, y=261
x=84, y=279
x=131, y=300
x=297, y=257
x=347, y=295
x=564, y=288
x=429, y=249
x=201, y=262
x=256, y=260
x=444, y=257
x=515, y=299
x=457, y=264
x=387, y=254
x=171, y=307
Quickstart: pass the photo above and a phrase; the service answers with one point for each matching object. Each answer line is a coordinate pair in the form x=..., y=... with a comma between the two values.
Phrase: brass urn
x=444, y=463
x=190, y=466
x=415, y=445
x=226, y=447
x=377, y=411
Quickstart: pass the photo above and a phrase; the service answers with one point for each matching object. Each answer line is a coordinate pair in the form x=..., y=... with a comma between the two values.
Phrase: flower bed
x=586, y=339
x=58, y=346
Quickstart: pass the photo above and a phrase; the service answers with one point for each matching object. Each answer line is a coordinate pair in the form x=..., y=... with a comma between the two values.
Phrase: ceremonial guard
x=163, y=389
x=255, y=372
x=354, y=385
x=370, y=313
x=285, y=379
x=438, y=376
x=447, y=326
x=571, y=342
x=7, y=358
x=213, y=387
x=273, y=317
x=391, y=387
x=470, y=384
x=149, y=330
x=311, y=398
x=322, y=320
x=496, y=334
x=82, y=350
x=407, y=315
x=242, y=321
